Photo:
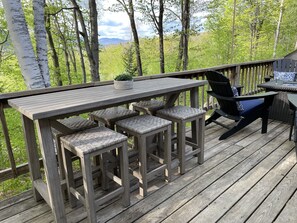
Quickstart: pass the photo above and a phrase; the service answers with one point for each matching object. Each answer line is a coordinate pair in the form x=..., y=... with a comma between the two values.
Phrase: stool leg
x=68, y=170
x=60, y=157
x=167, y=153
x=104, y=179
x=181, y=144
x=61, y=163
x=141, y=144
x=195, y=136
x=201, y=139
x=88, y=188
x=123, y=153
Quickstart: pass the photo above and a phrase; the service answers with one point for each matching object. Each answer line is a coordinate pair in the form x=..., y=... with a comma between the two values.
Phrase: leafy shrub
x=123, y=77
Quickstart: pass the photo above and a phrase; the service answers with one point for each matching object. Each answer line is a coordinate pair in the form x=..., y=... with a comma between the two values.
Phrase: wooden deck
x=248, y=178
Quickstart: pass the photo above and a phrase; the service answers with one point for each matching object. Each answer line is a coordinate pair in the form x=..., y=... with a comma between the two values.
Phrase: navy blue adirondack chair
x=242, y=109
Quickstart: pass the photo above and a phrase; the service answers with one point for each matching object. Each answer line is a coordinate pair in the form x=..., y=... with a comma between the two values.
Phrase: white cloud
x=117, y=24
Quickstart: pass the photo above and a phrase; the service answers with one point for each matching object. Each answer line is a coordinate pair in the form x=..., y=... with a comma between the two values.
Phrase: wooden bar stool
x=87, y=144
x=110, y=116
x=148, y=107
x=181, y=115
x=141, y=127
x=67, y=126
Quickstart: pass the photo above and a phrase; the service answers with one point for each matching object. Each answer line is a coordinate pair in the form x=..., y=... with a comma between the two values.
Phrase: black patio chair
x=242, y=109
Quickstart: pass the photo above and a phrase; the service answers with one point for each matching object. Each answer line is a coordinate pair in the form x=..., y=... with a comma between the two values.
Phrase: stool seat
x=90, y=140
x=148, y=107
x=111, y=115
x=181, y=112
x=69, y=125
x=74, y=124
x=143, y=124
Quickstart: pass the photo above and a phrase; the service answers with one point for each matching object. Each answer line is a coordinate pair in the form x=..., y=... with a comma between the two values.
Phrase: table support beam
x=33, y=158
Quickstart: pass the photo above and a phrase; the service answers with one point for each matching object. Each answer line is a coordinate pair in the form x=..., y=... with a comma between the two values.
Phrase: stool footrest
x=156, y=158
x=103, y=199
x=113, y=177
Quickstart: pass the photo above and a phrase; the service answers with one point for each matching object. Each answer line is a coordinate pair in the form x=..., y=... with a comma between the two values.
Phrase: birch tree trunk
x=21, y=41
x=278, y=27
x=40, y=37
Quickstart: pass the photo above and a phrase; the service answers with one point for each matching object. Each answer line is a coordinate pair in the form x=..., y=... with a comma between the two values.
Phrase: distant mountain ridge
x=111, y=41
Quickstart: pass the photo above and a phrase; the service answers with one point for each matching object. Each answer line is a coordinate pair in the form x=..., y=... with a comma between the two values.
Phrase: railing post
x=237, y=75
x=7, y=141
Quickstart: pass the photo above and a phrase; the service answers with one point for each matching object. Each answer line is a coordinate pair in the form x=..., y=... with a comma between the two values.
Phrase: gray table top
x=285, y=86
x=87, y=99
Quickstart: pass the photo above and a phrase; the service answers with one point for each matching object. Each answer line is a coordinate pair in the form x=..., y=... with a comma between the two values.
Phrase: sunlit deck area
x=250, y=177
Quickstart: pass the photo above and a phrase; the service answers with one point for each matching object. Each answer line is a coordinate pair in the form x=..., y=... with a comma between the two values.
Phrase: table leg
x=51, y=170
x=33, y=158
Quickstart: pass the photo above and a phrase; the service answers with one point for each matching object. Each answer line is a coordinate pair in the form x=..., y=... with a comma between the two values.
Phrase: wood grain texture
x=249, y=155
x=81, y=100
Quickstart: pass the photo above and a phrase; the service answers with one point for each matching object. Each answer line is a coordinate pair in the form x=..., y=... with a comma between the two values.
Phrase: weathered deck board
x=250, y=177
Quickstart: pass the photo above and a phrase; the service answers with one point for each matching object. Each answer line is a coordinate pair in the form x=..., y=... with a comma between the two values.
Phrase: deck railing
x=248, y=74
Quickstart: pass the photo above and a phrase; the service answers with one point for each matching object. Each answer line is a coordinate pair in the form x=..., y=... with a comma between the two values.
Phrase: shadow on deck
x=248, y=178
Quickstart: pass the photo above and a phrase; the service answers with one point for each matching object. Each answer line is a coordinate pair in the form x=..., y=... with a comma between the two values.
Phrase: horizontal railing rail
x=248, y=74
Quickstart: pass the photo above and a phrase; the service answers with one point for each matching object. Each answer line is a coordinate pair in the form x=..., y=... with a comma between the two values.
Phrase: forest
x=62, y=38
x=188, y=34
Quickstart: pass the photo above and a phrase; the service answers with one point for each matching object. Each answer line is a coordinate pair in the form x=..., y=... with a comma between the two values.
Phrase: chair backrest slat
x=220, y=85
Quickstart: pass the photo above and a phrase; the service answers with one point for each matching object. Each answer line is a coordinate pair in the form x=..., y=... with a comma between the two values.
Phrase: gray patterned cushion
x=284, y=76
x=238, y=103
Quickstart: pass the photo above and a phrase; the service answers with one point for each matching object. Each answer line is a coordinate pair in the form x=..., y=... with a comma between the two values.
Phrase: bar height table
x=46, y=108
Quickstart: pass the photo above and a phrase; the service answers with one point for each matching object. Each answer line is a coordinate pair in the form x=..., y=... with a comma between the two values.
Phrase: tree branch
x=61, y=9
x=6, y=38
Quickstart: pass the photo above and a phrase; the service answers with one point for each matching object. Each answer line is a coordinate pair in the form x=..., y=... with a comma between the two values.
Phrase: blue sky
x=117, y=25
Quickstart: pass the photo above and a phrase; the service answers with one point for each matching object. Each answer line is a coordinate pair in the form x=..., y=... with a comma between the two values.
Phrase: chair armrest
x=257, y=96
x=239, y=88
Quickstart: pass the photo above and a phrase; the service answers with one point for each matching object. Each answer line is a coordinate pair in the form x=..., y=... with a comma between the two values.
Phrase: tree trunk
x=82, y=61
x=94, y=39
x=73, y=59
x=181, y=40
x=40, y=37
x=84, y=33
x=55, y=58
x=183, y=56
x=65, y=49
x=21, y=41
x=135, y=36
x=161, y=36
x=278, y=27
x=186, y=34
x=67, y=65
x=233, y=32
